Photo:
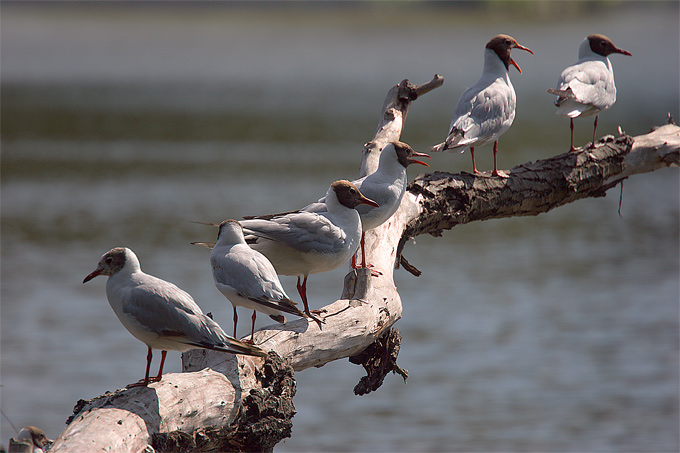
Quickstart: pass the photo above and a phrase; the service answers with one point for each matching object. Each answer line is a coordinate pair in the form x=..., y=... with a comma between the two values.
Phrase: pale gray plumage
x=158, y=313
x=587, y=87
x=386, y=186
x=486, y=110
x=246, y=277
x=302, y=243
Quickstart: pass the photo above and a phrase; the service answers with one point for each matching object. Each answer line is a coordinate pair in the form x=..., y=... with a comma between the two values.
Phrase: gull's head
x=406, y=155
x=230, y=231
x=111, y=262
x=348, y=195
x=602, y=45
x=503, y=45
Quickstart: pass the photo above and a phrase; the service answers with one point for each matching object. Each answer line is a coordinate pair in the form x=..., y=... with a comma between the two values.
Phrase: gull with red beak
x=158, y=313
x=386, y=186
x=303, y=242
x=587, y=87
x=486, y=110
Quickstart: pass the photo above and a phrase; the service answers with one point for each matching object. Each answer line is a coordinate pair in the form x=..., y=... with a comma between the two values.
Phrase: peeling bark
x=378, y=360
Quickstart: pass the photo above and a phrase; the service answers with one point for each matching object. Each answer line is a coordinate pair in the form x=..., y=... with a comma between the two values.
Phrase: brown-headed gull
x=386, y=186
x=486, y=110
x=247, y=278
x=303, y=242
x=35, y=436
x=587, y=87
x=158, y=313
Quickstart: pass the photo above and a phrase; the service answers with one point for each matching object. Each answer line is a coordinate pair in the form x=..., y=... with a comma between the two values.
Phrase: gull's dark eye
x=108, y=260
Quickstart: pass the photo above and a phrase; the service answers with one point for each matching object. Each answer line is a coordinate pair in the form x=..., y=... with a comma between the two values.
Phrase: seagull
x=158, y=313
x=386, y=186
x=587, y=87
x=302, y=242
x=36, y=436
x=247, y=278
x=486, y=110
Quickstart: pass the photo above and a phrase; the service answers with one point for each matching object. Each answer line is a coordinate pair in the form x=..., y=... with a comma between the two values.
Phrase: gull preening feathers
x=486, y=110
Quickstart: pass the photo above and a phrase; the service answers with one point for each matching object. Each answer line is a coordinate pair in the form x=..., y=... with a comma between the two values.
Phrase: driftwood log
x=226, y=403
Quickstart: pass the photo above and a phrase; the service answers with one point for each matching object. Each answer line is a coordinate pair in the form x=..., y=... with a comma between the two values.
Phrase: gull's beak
x=415, y=161
x=512, y=62
x=624, y=52
x=369, y=202
x=92, y=275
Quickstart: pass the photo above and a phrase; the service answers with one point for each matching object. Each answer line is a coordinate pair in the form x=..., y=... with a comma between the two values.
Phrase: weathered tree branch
x=444, y=200
x=220, y=400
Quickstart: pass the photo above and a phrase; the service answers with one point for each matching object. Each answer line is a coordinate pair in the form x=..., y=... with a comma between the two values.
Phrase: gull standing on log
x=487, y=109
x=587, y=87
x=302, y=242
x=158, y=313
x=247, y=278
x=386, y=186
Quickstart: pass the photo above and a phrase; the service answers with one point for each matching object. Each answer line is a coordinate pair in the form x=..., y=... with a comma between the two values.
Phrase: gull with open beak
x=386, y=186
x=587, y=87
x=158, y=313
x=486, y=110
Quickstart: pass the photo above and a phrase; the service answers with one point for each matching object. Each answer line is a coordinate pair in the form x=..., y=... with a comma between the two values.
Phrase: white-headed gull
x=247, y=278
x=587, y=87
x=487, y=109
x=386, y=186
x=303, y=242
x=36, y=436
x=158, y=313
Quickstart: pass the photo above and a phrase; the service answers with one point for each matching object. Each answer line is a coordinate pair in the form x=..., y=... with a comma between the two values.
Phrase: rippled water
x=120, y=126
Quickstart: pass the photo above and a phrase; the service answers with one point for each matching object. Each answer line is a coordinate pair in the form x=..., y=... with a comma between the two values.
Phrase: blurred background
x=121, y=123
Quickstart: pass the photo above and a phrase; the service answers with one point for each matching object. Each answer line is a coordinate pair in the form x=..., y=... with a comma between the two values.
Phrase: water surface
x=119, y=126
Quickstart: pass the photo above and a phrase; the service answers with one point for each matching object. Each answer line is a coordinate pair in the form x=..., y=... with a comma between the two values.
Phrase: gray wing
x=483, y=113
x=303, y=231
x=167, y=311
x=590, y=82
x=253, y=276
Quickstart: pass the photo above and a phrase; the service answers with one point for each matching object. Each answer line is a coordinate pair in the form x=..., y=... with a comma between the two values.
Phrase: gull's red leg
x=592, y=145
x=144, y=382
x=302, y=290
x=160, y=368
x=252, y=327
x=495, y=167
x=474, y=166
x=235, y=320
